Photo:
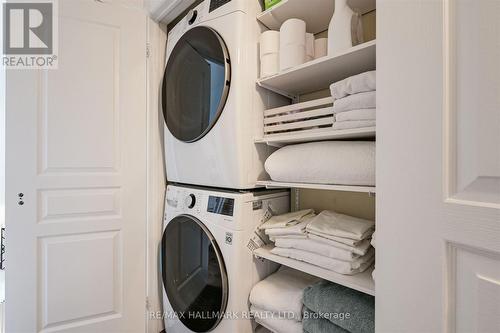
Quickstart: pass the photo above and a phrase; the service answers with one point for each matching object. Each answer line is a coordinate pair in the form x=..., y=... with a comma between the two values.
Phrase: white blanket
x=355, y=84
x=338, y=266
x=334, y=224
x=282, y=292
x=323, y=249
x=285, y=220
x=365, y=100
x=359, y=248
x=275, y=323
x=342, y=125
x=360, y=114
x=326, y=162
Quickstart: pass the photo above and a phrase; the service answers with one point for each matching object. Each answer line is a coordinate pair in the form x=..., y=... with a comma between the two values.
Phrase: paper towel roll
x=309, y=47
x=320, y=47
x=293, y=31
x=292, y=55
x=269, y=42
x=269, y=64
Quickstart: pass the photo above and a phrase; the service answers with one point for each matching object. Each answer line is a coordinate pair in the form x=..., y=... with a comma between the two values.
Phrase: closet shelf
x=316, y=20
x=318, y=74
x=279, y=140
x=362, y=282
x=346, y=188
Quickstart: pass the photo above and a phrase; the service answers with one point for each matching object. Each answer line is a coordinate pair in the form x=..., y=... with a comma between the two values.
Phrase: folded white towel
x=331, y=223
x=281, y=292
x=360, y=114
x=294, y=230
x=338, y=266
x=346, y=241
x=373, y=239
x=274, y=238
x=360, y=248
x=275, y=323
x=341, y=125
x=311, y=245
x=365, y=100
x=355, y=84
x=284, y=220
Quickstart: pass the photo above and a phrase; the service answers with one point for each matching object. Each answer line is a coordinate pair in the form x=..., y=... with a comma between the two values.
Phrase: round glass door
x=194, y=275
x=195, y=84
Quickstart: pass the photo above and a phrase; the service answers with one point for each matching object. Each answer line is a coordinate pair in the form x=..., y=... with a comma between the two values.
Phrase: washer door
x=194, y=274
x=195, y=84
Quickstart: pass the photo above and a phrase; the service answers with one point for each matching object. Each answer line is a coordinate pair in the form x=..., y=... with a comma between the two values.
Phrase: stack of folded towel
x=373, y=244
x=355, y=101
x=276, y=302
x=288, y=226
x=330, y=240
x=331, y=308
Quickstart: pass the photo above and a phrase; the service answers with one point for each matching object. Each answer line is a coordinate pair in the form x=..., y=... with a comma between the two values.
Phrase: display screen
x=214, y=4
x=218, y=205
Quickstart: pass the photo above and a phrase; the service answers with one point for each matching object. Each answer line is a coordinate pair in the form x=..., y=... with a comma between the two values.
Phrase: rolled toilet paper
x=309, y=47
x=293, y=31
x=320, y=47
x=269, y=42
x=291, y=55
x=269, y=64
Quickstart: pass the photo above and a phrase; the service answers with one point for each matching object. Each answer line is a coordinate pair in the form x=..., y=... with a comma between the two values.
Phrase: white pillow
x=326, y=162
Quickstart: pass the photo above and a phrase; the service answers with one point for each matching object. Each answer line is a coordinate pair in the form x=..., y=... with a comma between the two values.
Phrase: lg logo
x=28, y=28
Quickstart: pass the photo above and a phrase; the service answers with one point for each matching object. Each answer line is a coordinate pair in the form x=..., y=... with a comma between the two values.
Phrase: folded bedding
x=281, y=292
x=360, y=114
x=346, y=241
x=286, y=220
x=294, y=230
x=317, y=247
x=331, y=298
x=316, y=323
x=339, y=266
x=353, y=85
x=364, y=100
x=339, y=225
x=359, y=248
x=351, y=124
x=275, y=323
x=326, y=162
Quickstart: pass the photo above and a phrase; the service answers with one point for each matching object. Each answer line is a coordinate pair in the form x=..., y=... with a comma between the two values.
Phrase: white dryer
x=212, y=106
x=207, y=269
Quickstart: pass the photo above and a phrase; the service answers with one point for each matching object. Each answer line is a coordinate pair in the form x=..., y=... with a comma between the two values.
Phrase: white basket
x=312, y=116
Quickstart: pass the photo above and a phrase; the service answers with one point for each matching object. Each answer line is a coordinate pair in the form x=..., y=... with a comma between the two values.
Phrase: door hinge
x=148, y=50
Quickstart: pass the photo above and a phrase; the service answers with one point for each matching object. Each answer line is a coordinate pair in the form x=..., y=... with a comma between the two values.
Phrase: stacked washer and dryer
x=213, y=112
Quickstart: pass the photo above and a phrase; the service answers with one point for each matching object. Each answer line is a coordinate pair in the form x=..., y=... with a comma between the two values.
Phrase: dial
x=190, y=201
x=193, y=14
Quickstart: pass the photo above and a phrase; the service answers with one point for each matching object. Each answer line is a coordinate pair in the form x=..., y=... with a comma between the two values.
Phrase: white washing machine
x=207, y=269
x=212, y=106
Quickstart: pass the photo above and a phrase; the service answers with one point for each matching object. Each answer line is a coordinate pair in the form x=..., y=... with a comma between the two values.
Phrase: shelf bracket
x=278, y=91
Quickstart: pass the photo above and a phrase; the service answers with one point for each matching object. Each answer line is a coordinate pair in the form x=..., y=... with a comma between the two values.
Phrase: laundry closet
x=257, y=166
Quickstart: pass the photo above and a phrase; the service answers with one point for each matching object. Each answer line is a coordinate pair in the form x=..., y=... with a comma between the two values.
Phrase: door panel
x=438, y=166
x=76, y=149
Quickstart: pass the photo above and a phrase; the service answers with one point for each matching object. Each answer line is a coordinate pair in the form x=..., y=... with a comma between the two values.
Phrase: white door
x=76, y=150
x=438, y=166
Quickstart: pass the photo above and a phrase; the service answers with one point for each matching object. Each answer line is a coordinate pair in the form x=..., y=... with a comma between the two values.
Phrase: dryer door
x=194, y=274
x=195, y=84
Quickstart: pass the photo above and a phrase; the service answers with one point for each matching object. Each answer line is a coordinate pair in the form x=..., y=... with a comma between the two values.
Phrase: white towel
x=373, y=239
x=274, y=238
x=331, y=223
x=294, y=230
x=338, y=266
x=365, y=100
x=346, y=241
x=354, y=84
x=317, y=247
x=360, y=248
x=284, y=220
x=275, y=323
x=342, y=125
x=360, y=114
x=281, y=292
